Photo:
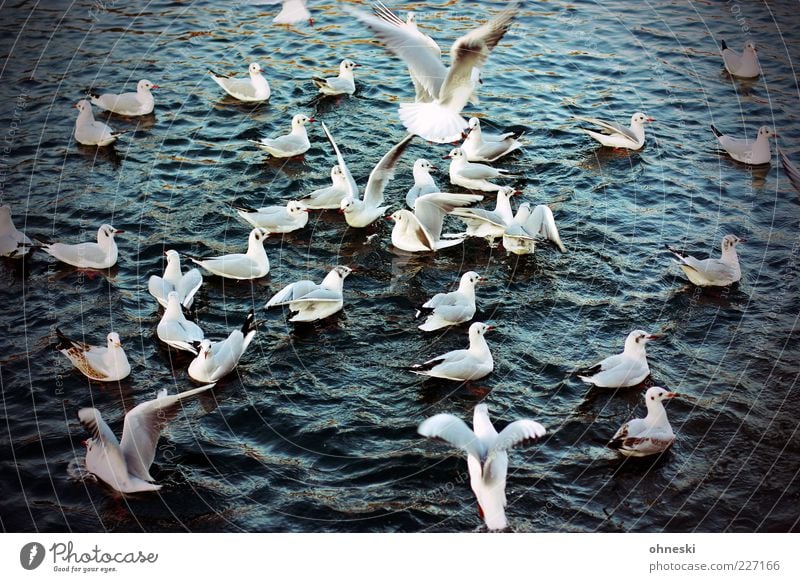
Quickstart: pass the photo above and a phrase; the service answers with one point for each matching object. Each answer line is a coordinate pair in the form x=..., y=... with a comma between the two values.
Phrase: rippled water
x=317, y=430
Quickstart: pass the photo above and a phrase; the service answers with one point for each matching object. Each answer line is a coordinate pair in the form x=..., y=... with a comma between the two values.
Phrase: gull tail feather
x=432, y=121
x=717, y=132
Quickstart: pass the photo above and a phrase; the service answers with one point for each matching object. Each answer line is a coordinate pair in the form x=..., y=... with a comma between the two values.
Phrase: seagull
x=177, y=331
x=792, y=171
x=617, y=136
x=471, y=175
x=489, y=224
x=252, y=265
x=251, y=90
x=362, y=212
x=744, y=64
x=529, y=226
x=292, y=11
x=104, y=364
x=275, y=219
x=487, y=455
x=623, y=370
x=748, y=151
x=13, y=243
x=329, y=198
x=445, y=309
x=291, y=144
x=421, y=230
x=471, y=364
x=90, y=132
x=436, y=114
x=344, y=84
x=215, y=360
x=423, y=182
x=483, y=147
x=89, y=255
x=719, y=272
x=312, y=302
x=125, y=465
x=130, y=104
x=185, y=284
x=650, y=435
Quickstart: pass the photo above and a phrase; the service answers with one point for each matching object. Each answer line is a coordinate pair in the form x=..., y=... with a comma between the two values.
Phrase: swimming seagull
x=622, y=370
x=13, y=243
x=423, y=182
x=331, y=197
x=437, y=116
x=184, y=284
x=311, y=301
x=421, y=230
x=483, y=147
x=88, y=255
x=291, y=144
x=744, y=64
x=719, y=272
x=177, y=331
x=251, y=265
x=130, y=104
x=792, y=171
x=650, y=435
x=125, y=465
x=487, y=455
x=471, y=364
x=748, y=151
x=615, y=135
x=275, y=219
x=530, y=226
x=251, y=90
x=217, y=359
x=102, y=363
x=90, y=132
x=471, y=175
x=489, y=224
x=445, y=309
x=362, y=212
x=344, y=84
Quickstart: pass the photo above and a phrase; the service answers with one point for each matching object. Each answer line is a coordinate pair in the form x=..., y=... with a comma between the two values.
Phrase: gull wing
x=610, y=127
x=352, y=187
x=384, y=172
x=454, y=432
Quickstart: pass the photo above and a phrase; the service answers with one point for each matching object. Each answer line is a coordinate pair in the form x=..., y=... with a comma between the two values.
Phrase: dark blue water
x=317, y=429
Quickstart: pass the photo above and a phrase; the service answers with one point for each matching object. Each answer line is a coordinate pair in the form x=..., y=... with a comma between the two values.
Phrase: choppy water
x=317, y=431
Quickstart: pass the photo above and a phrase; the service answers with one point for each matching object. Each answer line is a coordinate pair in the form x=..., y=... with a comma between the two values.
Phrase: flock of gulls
x=435, y=115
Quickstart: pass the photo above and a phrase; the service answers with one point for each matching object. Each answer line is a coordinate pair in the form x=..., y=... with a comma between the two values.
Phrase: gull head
x=471, y=278
x=342, y=271
x=145, y=85
x=172, y=256
x=107, y=231
x=750, y=46
x=205, y=349
x=640, y=118
x=455, y=154
x=5, y=212
x=766, y=132
x=254, y=69
x=257, y=236
x=658, y=394
x=347, y=65
x=300, y=120
x=296, y=208
x=423, y=165
x=473, y=124
x=347, y=205
x=479, y=329
x=113, y=340
x=729, y=242
x=411, y=19
x=637, y=339
x=83, y=105
x=507, y=192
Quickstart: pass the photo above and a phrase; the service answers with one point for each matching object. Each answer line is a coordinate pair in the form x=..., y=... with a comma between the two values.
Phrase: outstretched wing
x=352, y=187
x=541, y=222
x=384, y=172
x=454, y=432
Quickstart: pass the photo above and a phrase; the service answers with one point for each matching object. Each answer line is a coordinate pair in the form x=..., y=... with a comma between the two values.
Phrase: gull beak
x=481, y=279
x=742, y=240
x=491, y=327
x=356, y=65
x=516, y=192
x=117, y=231
x=156, y=87
x=650, y=119
x=311, y=120
x=447, y=157
x=390, y=217
x=433, y=169
x=671, y=395
x=654, y=336
x=341, y=211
